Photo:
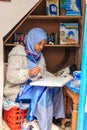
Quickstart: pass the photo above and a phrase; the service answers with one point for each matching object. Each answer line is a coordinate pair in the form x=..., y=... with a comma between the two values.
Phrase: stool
x=74, y=96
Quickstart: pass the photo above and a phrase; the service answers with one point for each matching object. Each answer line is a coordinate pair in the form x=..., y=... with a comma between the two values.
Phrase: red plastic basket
x=13, y=117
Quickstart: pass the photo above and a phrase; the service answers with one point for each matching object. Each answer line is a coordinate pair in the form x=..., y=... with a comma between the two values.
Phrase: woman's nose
x=41, y=47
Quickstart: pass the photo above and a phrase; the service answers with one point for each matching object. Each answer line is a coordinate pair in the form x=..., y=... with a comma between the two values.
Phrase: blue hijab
x=33, y=37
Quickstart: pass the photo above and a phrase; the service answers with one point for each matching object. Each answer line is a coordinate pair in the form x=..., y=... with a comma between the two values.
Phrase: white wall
x=10, y=14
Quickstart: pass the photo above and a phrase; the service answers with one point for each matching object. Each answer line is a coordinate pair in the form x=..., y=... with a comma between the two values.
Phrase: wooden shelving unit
x=57, y=56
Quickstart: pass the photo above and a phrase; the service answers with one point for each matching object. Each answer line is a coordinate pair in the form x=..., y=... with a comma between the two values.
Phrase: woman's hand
x=34, y=71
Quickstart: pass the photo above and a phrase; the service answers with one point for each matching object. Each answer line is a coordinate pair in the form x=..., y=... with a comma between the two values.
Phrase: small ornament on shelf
x=18, y=37
x=52, y=38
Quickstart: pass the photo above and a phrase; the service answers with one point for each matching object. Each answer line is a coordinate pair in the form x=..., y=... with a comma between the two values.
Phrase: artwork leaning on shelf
x=52, y=7
x=69, y=33
x=70, y=7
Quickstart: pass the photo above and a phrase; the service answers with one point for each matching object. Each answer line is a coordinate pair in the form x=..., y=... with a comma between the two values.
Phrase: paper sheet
x=52, y=81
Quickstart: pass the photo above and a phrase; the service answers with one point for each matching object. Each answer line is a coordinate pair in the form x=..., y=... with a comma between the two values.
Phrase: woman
x=26, y=64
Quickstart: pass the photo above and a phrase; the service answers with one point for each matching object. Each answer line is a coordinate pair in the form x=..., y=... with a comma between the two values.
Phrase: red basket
x=13, y=117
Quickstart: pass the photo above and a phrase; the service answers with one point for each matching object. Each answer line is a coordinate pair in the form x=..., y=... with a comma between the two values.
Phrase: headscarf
x=33, y=37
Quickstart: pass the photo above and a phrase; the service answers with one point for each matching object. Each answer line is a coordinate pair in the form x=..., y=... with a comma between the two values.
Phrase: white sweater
x=17, y=71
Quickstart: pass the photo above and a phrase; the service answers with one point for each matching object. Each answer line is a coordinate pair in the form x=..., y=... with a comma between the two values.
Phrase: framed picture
x=69, y=33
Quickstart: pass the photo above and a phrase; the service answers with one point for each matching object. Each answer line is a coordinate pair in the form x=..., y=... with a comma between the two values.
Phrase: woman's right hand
x=34, y=71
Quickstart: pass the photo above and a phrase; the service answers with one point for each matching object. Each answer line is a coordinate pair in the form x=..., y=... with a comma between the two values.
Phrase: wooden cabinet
x=57, y=56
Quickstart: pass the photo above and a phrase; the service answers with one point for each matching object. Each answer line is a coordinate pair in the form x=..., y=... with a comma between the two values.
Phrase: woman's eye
x=40, y=43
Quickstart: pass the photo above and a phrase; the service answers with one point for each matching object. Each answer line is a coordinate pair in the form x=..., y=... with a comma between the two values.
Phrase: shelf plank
x=52, y=17
x=49, y=45
x=67, y=45
x=10, y=44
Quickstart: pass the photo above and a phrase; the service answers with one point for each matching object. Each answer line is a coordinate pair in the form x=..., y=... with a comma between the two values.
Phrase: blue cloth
x=35, y=93
x=75, y=90
x=77, y=75
x=74, y=85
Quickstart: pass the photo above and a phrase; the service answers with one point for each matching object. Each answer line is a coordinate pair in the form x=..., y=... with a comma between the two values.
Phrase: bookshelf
x=57, y=56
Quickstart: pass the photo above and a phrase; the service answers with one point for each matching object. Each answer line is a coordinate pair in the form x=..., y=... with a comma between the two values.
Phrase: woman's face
x=39, y=46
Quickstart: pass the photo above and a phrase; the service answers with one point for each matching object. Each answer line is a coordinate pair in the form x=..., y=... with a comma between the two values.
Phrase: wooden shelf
x=68, y=45
x=10, y=44
x=53, y=17
x=48, y=45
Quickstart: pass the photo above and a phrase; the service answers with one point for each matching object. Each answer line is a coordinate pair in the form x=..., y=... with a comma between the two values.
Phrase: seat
x=74, y=97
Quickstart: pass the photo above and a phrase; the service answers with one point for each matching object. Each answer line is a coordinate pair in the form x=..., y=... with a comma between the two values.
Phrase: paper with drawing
x=53, y=81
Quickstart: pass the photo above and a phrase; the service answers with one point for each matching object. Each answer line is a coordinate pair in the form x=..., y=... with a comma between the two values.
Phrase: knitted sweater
x=17, y=71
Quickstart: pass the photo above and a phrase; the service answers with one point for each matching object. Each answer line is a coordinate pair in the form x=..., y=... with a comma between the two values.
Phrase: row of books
x=69, y=34
x=63, y=7
x=18, y=37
